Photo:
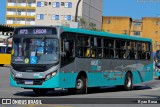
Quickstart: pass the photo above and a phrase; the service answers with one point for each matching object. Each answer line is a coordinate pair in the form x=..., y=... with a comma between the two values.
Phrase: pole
x=76, y=14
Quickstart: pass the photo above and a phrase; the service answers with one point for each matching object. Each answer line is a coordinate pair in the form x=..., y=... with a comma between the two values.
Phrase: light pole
x=76, y=14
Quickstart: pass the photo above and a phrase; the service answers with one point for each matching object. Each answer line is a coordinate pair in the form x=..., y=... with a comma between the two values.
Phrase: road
x=144, y=90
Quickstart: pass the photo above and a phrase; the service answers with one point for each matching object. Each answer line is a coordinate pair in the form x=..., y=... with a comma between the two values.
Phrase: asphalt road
x=145, y=90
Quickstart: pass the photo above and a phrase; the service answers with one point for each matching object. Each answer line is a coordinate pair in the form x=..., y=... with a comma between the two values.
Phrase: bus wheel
x=40, y=91
x=128, y=83
x=1, y=65
x=81, y=85
x=159, y=77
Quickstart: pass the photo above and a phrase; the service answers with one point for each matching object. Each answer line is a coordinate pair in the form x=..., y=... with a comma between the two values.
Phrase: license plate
x=29, y=82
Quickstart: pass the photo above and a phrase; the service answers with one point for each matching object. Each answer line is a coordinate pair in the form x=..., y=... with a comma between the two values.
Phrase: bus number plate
x=29, y=82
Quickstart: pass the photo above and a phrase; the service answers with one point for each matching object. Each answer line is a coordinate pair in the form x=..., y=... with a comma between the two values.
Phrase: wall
x=119, y=25
x=151, y=30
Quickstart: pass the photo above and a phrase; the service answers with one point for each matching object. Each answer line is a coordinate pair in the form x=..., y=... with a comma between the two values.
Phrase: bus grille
x=35, y=81
x=31, y=69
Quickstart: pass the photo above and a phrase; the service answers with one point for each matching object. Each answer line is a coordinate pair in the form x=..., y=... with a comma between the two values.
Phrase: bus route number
x=23, y=31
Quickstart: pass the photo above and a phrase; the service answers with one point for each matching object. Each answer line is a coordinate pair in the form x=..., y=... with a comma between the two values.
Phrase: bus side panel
x=67, y=80
x=105, y=72
x=101, y=79
x=143, y=74
x=5, y=59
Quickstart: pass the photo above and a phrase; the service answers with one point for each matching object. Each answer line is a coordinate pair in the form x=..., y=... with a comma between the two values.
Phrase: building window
x=156, y=32
x=68, y=4
x=136, y=33
x=40, y=16
x=68, y=17
x=55, y=17
x=156, y=22
x=40, y=4
x=109, y=21
x=46, y=3
x=137, y=23
x=55, y=4
x=62, y=3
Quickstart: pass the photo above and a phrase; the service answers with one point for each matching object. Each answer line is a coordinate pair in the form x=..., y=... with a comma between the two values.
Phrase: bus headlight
x=50, y=75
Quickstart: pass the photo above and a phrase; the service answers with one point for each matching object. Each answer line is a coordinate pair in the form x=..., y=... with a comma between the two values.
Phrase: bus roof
x=105, y=34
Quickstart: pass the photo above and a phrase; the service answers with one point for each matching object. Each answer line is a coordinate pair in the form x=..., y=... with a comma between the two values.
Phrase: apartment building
x=148, y=27
x=62, y=12
x=20, y=12
x=151, y=29
x=136, y=28
x=119, y=25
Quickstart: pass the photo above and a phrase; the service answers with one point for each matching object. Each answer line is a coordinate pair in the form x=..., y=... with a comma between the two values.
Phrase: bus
x=49, y=57
x=5, y=52
x=157, y=63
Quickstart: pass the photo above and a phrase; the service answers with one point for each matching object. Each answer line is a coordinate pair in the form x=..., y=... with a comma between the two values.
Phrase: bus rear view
x=35, y=58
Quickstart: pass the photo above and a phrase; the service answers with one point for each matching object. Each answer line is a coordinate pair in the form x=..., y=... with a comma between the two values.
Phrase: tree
x=92, y=25
x=83, y=23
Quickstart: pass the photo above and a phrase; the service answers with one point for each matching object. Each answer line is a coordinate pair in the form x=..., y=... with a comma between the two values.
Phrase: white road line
x=156, y=88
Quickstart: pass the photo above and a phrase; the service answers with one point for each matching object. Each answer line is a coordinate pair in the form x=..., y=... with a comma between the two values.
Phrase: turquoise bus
x=47, y=57
x=157, y=63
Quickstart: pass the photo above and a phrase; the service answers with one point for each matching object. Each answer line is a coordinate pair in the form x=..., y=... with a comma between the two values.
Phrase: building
x=119, y=25
x=151, y=29
x=20, y=12
x=136, y=28
x=148, y=27
x=62, y=12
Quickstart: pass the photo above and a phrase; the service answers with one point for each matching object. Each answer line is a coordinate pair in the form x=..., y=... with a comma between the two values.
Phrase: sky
x=2, y=11
x=136, y=9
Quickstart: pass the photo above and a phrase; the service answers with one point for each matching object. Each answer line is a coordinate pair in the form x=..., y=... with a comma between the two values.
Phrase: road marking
x=156, y=88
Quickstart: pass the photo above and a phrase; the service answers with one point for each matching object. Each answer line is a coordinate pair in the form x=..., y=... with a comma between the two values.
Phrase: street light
x=76, y=14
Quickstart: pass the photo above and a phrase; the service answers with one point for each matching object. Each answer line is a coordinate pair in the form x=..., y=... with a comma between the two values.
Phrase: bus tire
x=128, y=82
x=159, y=77
x=1, y=65
x=81, y=85
x=40, y=91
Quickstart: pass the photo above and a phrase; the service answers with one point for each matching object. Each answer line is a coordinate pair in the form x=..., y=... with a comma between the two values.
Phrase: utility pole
x=76, y=14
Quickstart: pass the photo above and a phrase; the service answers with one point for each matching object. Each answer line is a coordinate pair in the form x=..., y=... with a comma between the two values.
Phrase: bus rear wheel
x=40, y=91
x=81, y=85
x=128, y=83
x=159, y=77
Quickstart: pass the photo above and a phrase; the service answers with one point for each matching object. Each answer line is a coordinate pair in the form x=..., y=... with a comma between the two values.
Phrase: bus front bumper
x=51, y=83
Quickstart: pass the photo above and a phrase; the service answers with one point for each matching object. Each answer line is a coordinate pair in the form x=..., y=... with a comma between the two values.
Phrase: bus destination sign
x=36, y=31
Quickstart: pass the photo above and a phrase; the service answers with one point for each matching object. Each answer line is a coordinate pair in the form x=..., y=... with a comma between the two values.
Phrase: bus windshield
x=35, y=50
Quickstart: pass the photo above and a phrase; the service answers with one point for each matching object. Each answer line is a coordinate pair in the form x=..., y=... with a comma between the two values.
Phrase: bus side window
x=69, y=48
x=148, y=49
